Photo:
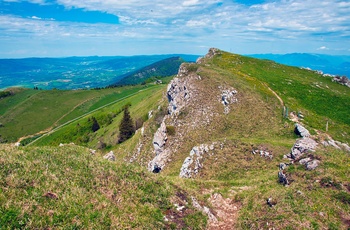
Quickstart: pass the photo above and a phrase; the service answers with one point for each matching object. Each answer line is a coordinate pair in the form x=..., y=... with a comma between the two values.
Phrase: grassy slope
x=87, y=192
x=30, y=111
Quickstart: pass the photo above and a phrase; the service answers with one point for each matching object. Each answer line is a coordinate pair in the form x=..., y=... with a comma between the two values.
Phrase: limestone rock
x=282, y=177
x=227, y=97
x=311, y=165
x=177, y=93
x=300, y=147
x=160, y=138
x=301, y=130
x=109, y=156
x=188, y=169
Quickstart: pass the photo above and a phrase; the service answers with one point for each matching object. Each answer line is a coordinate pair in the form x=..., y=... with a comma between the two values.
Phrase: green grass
x=87, y=192
x=31, y=111
x=108, y=118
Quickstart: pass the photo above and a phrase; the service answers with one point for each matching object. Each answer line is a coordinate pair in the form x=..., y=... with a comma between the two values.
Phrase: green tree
x=126, y=127
x=95, y=126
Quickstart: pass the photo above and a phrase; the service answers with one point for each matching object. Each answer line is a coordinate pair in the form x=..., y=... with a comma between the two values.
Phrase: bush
x=170, y=130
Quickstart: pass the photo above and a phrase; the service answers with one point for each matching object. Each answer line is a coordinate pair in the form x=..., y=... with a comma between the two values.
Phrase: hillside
x=163, y=68
x=335, y=65
x=74, y=72
x=232, y=142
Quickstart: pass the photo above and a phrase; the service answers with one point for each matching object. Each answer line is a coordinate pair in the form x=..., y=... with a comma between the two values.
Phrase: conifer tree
x=95, y=126
x=126, y=127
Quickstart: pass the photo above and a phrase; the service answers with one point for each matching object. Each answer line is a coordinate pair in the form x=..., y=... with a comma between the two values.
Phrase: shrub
x=170, y=130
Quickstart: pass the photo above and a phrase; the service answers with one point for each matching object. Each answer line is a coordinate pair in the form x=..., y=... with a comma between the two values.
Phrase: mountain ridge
x=222, y=139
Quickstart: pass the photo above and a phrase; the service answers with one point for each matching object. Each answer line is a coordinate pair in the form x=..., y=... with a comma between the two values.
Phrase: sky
x=61, y=28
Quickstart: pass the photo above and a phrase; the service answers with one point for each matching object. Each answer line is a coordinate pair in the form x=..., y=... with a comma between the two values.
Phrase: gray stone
x=185, y=171
x=282, y=177
x=109, y=156
x=178, y=93
x=311, y=165
x=160, y=138
x=301, y=147
x=304, y=161
x=301, y=130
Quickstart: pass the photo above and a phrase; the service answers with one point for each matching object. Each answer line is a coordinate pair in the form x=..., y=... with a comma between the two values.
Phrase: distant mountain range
x=75, y=72
x=95, y=71
x=335, y=65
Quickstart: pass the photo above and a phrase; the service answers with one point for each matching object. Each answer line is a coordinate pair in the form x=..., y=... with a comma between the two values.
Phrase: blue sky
x=59, y=28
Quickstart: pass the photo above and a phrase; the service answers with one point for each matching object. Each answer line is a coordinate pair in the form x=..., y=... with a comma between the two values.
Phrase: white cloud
x=323, y=48
x=35, y=17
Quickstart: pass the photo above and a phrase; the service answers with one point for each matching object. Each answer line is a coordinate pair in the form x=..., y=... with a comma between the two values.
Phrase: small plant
x=343, y=197
x=170, y=130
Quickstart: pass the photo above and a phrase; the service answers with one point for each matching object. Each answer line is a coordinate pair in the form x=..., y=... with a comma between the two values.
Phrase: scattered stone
x=301, y=131
x=196, y=156
x=282, y=177
x=336, y=144
x=51, y=195
x=109, y=156
x=311, y=165
x=61, y=145
x=227, y=97
x=271, y=202
x=342, y=80
x=150, y=114
x=17, y=144
x=203, y=209
x=263, y=153
x=92, y=151
x=300, y=193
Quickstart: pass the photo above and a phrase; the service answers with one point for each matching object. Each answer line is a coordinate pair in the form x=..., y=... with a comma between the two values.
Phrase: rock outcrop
x=228, y=96
x=189, y=169
x=301, y=146
x=178, y=93
x=301, y=130
x=336, y=144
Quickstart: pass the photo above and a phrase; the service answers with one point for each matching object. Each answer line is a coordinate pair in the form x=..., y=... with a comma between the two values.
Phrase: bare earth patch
x=225, y=210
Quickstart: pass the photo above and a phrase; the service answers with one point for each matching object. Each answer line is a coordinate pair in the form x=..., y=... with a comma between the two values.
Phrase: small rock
x=61, y=145
x=109, y=156
x=282, y=178
x=304, y=161
x=311, y=165
x=271, y=202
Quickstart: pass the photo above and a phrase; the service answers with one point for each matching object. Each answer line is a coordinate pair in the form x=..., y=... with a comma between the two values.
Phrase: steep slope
x=230, y=124
x=163, y=68
x=71, y=188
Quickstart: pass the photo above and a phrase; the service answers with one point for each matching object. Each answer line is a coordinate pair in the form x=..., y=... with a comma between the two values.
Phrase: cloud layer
x=188, y=26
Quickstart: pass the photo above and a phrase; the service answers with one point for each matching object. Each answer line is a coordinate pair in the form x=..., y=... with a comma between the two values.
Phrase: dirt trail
x=278, y=97
x=54, y=124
